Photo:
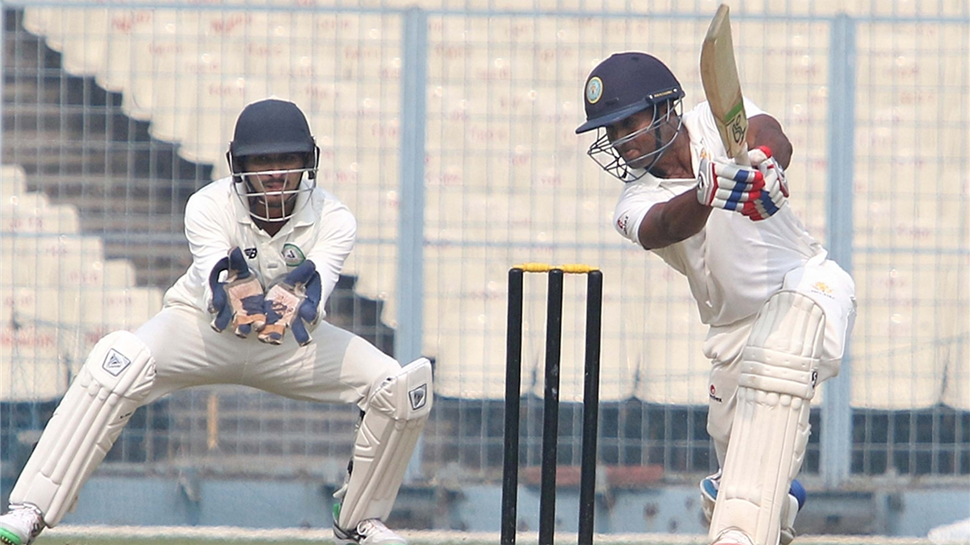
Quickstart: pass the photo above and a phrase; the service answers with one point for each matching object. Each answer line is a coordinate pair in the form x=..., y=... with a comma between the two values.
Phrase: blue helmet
x=624, y=84
x=269, y=127
x=620, y=86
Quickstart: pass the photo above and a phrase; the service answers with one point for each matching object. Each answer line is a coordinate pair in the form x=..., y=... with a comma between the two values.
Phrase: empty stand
x=32, y=213
x=58, y=292
x=507, y=179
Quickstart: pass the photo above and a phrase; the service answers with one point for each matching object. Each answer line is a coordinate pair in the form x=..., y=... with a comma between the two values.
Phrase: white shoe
x=733, y=537
x=368, y=532
x=21, y=524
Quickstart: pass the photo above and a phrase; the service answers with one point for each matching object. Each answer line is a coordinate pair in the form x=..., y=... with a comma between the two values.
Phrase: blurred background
x=447, y=127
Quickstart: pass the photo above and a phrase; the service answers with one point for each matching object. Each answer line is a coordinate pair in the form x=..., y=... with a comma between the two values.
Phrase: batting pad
x=113, y=382
x=390, y=429
x=769, y=434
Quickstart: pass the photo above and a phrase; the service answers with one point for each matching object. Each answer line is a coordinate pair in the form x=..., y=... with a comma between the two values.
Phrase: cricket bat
x=719, y=74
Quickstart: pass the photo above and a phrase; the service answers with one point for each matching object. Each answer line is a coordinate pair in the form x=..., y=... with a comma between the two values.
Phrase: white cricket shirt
x=216, y=220
x=733, y=264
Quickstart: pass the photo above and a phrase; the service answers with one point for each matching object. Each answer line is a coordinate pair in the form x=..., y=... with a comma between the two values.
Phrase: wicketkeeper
x=267, y=248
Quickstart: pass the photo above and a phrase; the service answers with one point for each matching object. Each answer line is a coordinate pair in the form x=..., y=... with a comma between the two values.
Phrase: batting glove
x=774, y=195
x=292, y=304
x=727, y=185
x=238, y=300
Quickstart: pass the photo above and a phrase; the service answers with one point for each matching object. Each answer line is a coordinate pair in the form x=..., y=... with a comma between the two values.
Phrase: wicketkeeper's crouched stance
x=267, y=247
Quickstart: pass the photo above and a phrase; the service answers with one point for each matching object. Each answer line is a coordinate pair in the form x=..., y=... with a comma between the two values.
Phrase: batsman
x=779, y=312
x=267, y=248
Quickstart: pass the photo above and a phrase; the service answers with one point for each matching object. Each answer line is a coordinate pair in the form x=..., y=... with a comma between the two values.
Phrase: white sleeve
x=334, y=242
x=751, y=109
x=208, y=242
x=635, y=201
x=703, y=129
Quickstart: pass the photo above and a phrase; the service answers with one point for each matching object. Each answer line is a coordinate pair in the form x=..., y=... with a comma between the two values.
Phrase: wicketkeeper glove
x=292, y=304
x=239, y=299
x=774, y=194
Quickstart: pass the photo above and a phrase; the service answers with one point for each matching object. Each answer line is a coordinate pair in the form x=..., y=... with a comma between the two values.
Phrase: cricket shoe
x=796, y=500
x=733, y=537
x=21, y=524
x=367, y=532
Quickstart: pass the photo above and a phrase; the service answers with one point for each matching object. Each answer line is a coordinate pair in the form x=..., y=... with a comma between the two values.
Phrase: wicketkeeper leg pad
x=114, y=380
x=388, y=433
x=770, y=430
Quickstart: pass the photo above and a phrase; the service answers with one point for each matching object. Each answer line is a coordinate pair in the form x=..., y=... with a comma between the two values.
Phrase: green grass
x=100, y=535
x=50, y=540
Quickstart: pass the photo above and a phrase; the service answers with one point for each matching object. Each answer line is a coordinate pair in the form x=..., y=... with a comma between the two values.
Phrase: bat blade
x=719, y=75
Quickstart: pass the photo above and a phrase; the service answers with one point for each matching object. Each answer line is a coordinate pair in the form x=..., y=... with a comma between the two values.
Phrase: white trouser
x=826, y=284
x=337, y=367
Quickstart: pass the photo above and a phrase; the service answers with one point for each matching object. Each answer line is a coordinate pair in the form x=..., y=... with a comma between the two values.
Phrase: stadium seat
x=27, y=305
x=31, y=213
x=507, y=180
x=50, y=261
x=117, y=71
x=115, y=308
x=13, y=181
x=37, y=360
x=896, y=359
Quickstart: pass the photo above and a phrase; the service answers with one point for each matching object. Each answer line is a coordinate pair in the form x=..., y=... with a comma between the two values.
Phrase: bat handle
x=742, y=157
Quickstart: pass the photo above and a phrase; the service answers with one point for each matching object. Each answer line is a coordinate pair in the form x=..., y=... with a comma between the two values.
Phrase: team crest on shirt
x=292, y=255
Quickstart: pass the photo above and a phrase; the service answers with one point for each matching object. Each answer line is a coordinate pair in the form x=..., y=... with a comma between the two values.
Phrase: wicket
x=513, y=369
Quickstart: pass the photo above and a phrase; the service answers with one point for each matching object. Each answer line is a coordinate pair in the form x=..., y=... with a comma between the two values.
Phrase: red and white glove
x=774, y=194
x=727, y=185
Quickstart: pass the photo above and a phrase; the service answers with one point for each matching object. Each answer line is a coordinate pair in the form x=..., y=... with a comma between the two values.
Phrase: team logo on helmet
x=594, y=90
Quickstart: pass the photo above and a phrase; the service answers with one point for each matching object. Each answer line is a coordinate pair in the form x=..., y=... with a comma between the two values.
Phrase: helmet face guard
x=607, y=156
x=619, y=87
x=267, y=128
x=259, y=200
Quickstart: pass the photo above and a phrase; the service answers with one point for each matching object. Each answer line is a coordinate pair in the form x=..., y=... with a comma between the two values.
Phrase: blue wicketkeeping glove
x=239, y=299
x=292, y=304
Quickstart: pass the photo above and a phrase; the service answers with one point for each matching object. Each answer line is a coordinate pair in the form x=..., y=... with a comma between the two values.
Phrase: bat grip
x=742, y=157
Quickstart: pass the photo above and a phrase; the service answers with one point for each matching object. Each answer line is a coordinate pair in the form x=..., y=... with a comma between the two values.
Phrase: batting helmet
x=619, y=87
x=625, y=84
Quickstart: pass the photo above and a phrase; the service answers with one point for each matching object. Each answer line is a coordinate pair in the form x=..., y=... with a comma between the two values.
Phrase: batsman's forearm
x=781, y=148
x=673, y=221
x=764, y=130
